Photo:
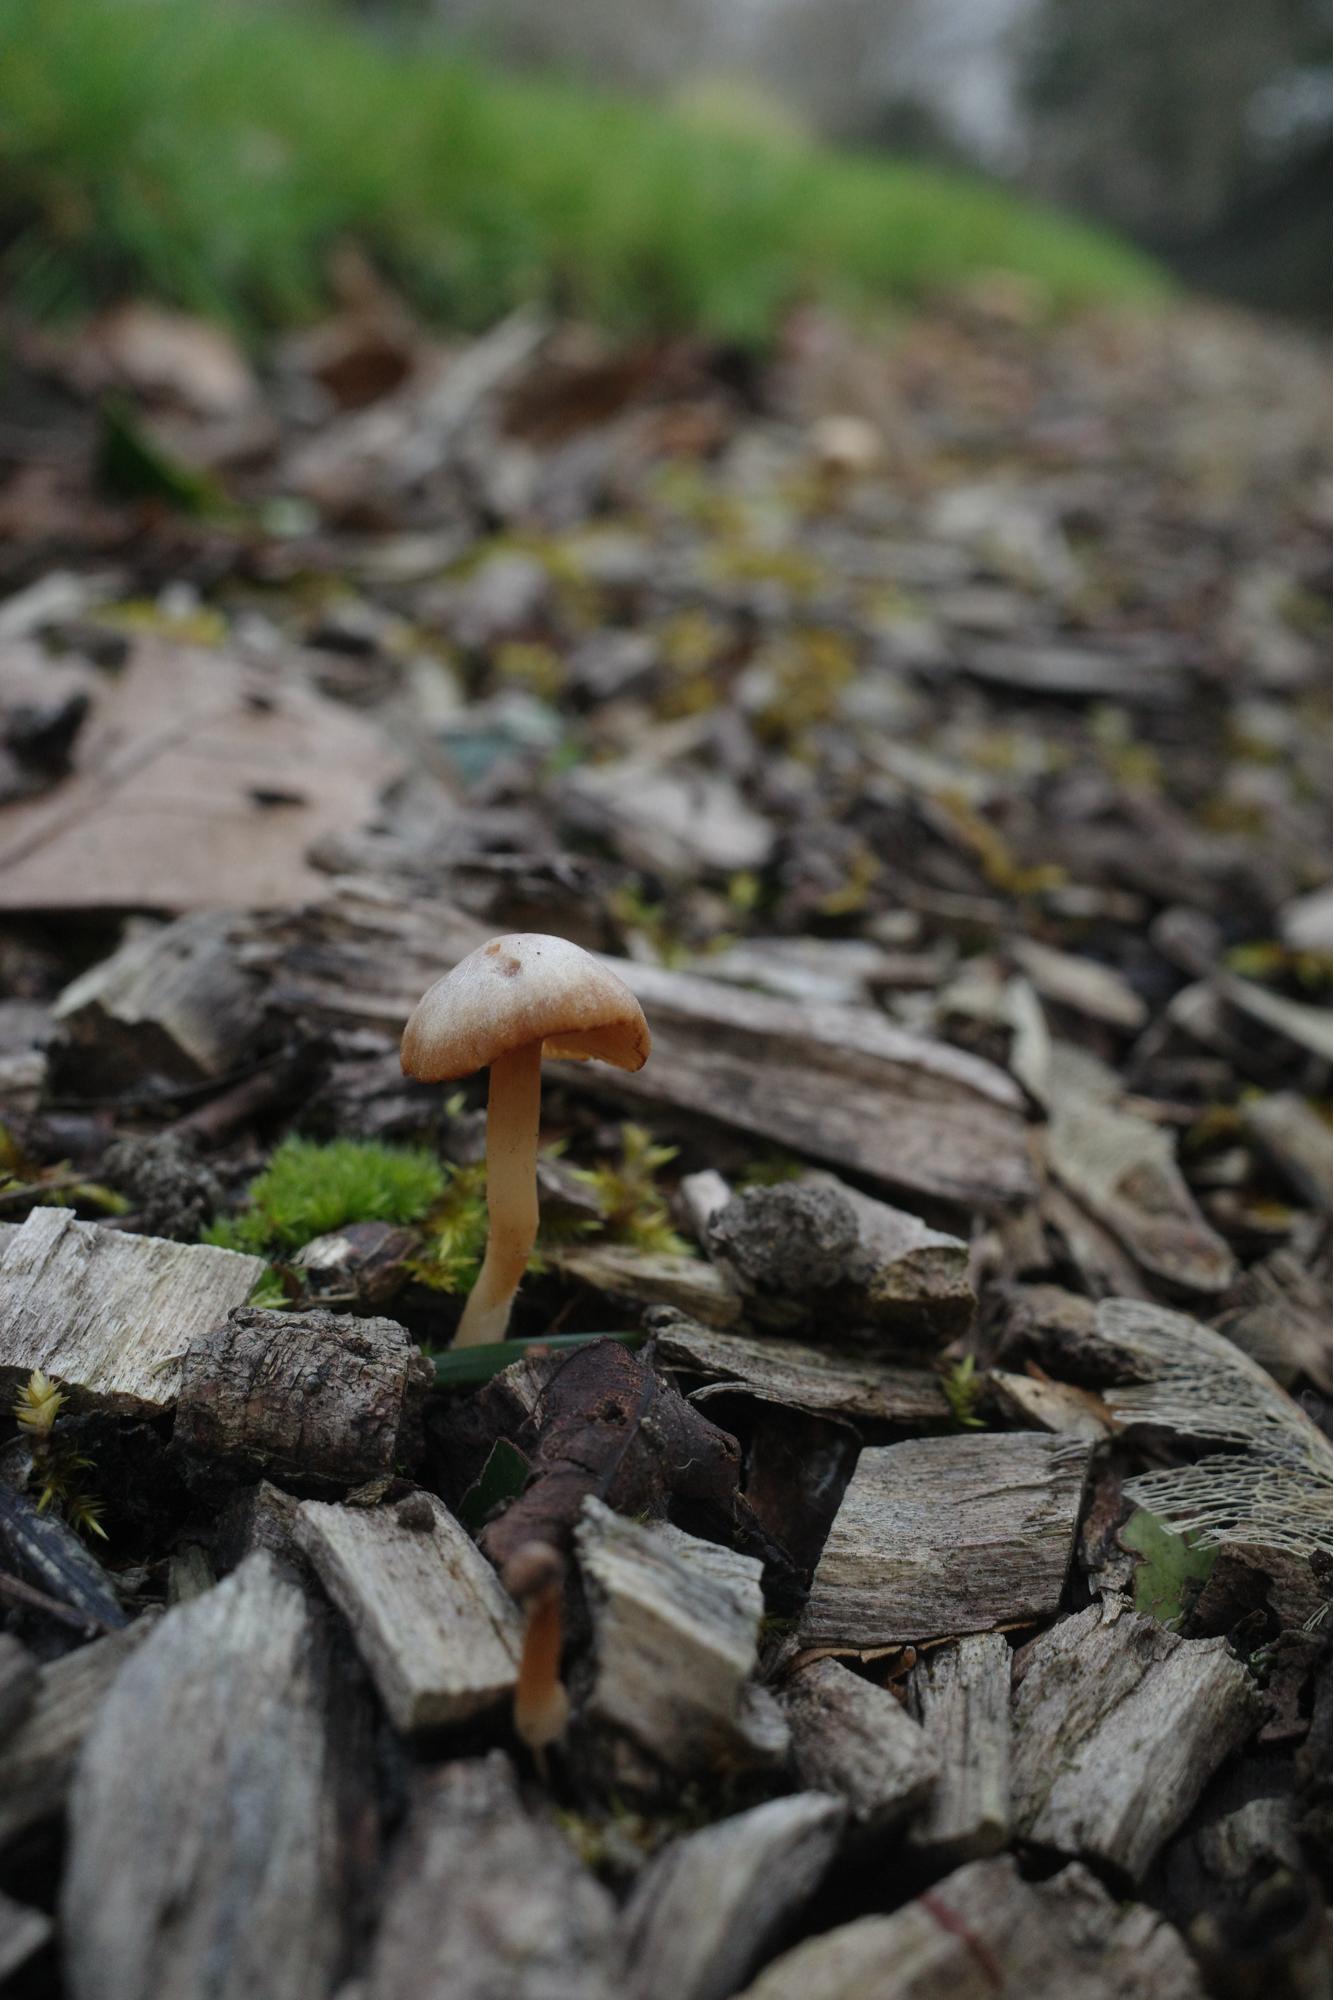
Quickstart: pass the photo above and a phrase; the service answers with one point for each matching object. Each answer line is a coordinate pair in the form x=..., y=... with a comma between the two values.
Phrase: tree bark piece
x=856, y=1740
x=819, y=1253
x=961, y=1695
x=840, y=1083
x=215, y=1806
x=983, y=1934
x=440, y=1635
x=941, y=1536
x=676, y=1633
x=796, y=1376
x=486, y=1902
x=38, y=1758
x=107, y=1315
x=1118, y=1725
x=42, y=1550
x=310, y=1396
x=714, y=1904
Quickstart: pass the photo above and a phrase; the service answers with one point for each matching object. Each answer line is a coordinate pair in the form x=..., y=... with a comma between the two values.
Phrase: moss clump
x=455, y=1231
x=307, y=1190
x=634, y=1208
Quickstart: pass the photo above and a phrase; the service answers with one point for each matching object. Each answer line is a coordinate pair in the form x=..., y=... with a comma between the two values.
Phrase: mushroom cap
x=521, y=989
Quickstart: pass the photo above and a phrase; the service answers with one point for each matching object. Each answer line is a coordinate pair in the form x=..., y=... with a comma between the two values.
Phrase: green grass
x=212, y=157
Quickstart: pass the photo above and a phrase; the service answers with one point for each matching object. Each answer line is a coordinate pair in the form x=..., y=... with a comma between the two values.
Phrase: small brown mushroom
x=535, y=1578
x=506, y=1005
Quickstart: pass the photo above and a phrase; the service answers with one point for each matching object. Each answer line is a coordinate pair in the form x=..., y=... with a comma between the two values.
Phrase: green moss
x=307, y=1190
x=455, y=1233
x=633, y=1206
x=963, y=1391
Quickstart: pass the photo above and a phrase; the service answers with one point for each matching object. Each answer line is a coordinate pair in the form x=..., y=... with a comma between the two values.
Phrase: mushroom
x=508, y=1004
x=535, y=1578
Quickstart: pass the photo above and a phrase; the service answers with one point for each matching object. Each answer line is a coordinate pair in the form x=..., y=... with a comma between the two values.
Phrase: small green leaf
x=503, y=1477
x=1169, y=1566
x=462, y=1367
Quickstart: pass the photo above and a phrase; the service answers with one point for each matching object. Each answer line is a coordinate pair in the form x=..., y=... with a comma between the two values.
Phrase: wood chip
x=675, y=1633
x=18, y=1683
x=439, y=1634
x=313, y=1396
x=486, y=1901
x=23, y=1932
x=942, y=1536
x=962, y=1696
x=212, y=1817
x=856, y=1740
x=1123, y=1170
x=840, y=1083
x=641, y=1277
x=38, y=1758
x=171, y=1002
x=1118, y=1725
x=109, y=1315
x=714, y=1904
x=797, y=1376
x=195, y=783
x=984, y=1934
x=1041, y=1404
x=1081, y=984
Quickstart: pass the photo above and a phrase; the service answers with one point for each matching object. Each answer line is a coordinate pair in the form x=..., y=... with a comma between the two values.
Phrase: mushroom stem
x=535, y=1577
x=511, y=1193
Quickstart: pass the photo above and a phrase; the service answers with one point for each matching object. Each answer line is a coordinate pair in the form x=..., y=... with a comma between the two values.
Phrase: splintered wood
x=675, y=1633
x=212, y=1825
x=795, y=1376
x=855, y=1739
x=108, y=1315
x=439, y=1634
x=1119, y=1724
x=36, y=1760
x=941, y=1536
x=961, y=1694
x=486, y=1899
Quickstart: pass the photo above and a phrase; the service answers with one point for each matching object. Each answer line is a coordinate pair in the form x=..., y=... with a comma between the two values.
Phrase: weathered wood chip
x=1279, y=1313
x=856, y=1740
x=650, y=1278
x=676, y=1635
x=983, y=1934
x=212, y=1814
x=1041, y=1404
x=962, y=1695
x=797, y=1376
x=23, y=1932
x=314, y=1396
x=714, y=1904
x=18, y=1683
x=1118, y=1725
x=941, y=1536
x=439, y=1634
x=38, y=1757
x=840, y=1083
x=818, y=1253
x=109, y=1315
x=172, y=1003
x=1123, y=1170
x=487, y=1901
x=1081, y=984
x=40, y=1549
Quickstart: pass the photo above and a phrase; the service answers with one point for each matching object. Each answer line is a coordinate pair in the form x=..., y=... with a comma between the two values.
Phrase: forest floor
x=926, y=1421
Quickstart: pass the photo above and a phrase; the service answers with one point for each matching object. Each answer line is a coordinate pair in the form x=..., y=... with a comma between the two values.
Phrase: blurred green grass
x=211, y=156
